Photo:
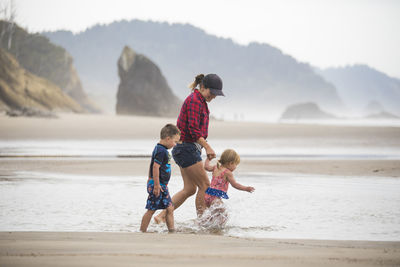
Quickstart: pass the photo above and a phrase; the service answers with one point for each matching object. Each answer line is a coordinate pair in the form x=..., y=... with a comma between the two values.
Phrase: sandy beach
x=70, y=126
x=130, y=249
x=127, y=249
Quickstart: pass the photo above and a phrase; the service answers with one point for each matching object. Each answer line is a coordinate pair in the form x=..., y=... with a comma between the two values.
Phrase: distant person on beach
x=193, y=122
x=159, y=175
x=221, y=178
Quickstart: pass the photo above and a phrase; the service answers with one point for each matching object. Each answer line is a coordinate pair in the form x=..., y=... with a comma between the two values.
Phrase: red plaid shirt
x=193, y=118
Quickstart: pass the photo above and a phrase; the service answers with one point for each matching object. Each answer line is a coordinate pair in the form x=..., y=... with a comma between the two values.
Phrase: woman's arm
x=207, y=165
x=232, y=181
x=193, y=111
x=209, y=151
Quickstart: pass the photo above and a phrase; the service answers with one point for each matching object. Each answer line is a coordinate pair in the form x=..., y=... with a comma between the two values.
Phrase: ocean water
x=247, y=148
x=283, y=206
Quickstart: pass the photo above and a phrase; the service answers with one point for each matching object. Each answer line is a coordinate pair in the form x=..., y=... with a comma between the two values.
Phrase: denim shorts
x=186, y=154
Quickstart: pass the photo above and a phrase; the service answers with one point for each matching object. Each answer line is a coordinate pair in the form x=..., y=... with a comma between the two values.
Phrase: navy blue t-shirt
x=162, y=157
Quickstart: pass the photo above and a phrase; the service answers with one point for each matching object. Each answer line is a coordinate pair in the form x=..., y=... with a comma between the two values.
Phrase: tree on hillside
x=8, y=12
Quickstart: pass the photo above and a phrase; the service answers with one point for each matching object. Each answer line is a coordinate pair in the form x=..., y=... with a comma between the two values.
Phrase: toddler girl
x=221, y=178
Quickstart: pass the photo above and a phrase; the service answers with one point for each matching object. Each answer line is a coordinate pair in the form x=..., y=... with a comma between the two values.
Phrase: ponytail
x=218, y=165
x=198, y=80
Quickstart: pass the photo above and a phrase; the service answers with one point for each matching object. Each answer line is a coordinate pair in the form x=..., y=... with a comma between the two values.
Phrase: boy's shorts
x=186, y=154
x=161, y=202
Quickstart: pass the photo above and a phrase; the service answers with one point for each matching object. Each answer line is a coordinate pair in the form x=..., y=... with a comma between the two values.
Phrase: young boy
x=159, y=175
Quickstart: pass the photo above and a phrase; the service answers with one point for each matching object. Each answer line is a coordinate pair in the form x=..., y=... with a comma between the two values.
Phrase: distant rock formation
x=30, y=112
x=307, y=111
x=143, y=90
x=361, y=86
x=375, y=111
x=374, y=107
x=253, y=74
x=22, y=90
x=382, y=115
x=37, y=55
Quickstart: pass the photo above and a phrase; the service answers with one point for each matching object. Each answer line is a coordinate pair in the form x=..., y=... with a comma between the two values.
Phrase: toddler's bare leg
x=170, y=218
x=219, y=214
x=146, y=220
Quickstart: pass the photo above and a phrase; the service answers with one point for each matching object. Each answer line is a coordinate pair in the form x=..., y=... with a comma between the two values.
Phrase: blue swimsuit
x=162, y=157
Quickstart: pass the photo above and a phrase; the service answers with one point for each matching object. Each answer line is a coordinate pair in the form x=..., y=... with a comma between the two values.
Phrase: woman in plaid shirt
x=193, y=122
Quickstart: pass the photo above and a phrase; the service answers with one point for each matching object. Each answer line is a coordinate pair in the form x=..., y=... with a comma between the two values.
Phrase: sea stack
x=143, y=90
x=305, y=111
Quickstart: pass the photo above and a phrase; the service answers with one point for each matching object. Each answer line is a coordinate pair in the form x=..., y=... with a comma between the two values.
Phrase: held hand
x=210, y=153
x=250, y=189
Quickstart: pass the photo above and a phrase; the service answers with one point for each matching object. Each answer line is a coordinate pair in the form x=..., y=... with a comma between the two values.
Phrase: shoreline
x=124, y=249
x=36, y=233
x=139, y=166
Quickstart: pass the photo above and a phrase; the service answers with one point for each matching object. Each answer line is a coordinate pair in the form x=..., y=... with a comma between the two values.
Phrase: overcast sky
x=322, y=33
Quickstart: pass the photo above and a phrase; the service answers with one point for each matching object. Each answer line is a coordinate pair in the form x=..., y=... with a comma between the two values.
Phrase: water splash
x=215, y=217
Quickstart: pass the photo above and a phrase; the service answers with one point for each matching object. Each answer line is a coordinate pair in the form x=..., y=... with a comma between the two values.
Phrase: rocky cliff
x=143, y=89
x=37, y=55
x=21, y=89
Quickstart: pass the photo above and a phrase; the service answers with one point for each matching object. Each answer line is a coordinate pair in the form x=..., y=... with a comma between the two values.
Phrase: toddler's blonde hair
x=228, y=156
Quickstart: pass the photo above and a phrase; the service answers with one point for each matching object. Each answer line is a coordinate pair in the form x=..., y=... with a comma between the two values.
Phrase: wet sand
x=136, y=249
x=139, y=166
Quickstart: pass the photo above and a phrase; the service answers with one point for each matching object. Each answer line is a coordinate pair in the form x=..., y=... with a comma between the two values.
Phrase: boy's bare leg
x=189, y=189
x=170, y=218
x=146, y=220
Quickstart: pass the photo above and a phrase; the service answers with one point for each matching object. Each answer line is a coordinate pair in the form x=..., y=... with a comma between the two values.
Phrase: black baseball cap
x=214, y=83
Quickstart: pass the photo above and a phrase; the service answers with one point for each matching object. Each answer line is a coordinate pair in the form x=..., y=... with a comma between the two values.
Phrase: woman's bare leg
x=199, y=177
x=189, y=189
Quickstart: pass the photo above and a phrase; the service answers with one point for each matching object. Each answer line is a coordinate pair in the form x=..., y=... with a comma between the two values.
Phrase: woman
x=193, y=122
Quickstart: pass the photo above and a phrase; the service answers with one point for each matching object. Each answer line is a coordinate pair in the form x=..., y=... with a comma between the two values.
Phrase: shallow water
x=247, y=148
x=283, y=205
